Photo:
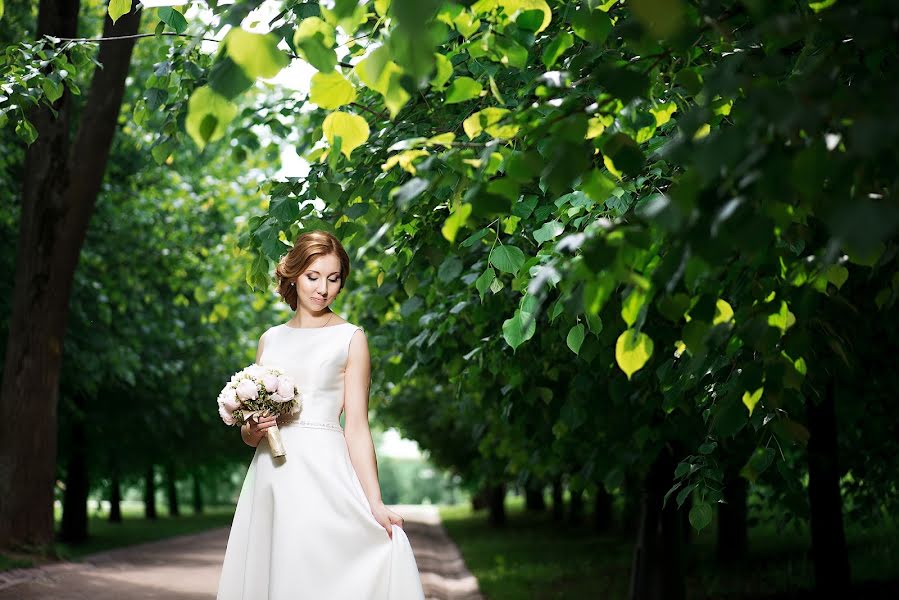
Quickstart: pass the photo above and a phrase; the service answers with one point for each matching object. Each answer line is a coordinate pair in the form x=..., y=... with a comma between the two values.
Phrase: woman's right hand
x=256, y=429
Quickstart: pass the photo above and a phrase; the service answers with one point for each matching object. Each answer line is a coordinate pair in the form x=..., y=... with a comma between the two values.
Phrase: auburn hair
x=306, y=249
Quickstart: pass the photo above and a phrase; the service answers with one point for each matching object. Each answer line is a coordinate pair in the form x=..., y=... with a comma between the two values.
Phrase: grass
x=134, y=529
x=536, y=558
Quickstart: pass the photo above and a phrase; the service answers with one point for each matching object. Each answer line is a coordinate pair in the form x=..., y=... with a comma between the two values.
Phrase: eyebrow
x=317, y=273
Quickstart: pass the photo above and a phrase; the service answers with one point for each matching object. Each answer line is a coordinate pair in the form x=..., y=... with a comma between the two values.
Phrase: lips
x=320, y=300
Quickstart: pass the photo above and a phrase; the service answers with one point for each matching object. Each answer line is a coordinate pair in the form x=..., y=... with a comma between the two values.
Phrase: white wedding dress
x=303, y=528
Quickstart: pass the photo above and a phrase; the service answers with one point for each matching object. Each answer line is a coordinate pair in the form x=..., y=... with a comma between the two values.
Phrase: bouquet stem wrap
x=274, y=441
x=272, y=434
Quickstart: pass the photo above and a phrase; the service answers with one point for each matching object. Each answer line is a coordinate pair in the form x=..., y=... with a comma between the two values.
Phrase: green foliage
x=680, y=194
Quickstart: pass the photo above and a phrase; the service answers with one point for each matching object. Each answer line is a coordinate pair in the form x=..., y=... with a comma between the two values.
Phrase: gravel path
x=187, y=568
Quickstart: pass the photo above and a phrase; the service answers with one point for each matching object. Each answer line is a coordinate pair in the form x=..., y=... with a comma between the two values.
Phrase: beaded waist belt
x=310, y=423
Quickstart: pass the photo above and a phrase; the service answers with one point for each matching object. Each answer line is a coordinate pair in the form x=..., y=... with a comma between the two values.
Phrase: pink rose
x=270, y=381
x=246, y=390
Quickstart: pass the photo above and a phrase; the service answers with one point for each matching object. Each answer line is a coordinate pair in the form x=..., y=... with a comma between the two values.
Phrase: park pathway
x=188, y=568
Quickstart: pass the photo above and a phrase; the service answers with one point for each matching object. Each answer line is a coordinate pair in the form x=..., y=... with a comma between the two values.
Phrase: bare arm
x=357, y=379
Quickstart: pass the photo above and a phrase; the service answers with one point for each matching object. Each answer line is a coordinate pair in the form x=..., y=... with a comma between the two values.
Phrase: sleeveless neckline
x=286, y=326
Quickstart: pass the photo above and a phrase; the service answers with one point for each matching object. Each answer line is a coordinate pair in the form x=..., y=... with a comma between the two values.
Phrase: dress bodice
x=316, y=358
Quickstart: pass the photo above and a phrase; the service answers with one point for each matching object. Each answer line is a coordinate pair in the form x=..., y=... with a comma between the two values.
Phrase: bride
x=312, y=525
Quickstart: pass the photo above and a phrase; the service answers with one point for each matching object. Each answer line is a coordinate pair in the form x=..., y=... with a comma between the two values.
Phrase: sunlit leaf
x=331, y=90
x=632, y=350
x=751, y=399
x=118, y=8
x=208, y=115
x=352, y=129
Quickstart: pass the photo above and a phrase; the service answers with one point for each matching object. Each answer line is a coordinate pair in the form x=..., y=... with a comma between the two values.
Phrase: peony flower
x=285, y=386
x=276, y=397
x=256, y=371
x=270, y=381
x=246, y=390
x=227, y=406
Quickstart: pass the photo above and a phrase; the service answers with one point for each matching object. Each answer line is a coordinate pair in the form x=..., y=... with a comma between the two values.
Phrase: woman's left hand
x=386, y=517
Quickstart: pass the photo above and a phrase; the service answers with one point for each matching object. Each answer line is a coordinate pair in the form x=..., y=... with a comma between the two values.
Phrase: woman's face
x=319, y=283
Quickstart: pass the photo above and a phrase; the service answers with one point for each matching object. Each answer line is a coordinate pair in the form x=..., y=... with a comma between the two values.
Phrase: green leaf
x=591, y=26
x=821, y=5
x=172, y=18
x=760, y=460
x=723, y=312
x=663, y=113
x=488, y=120
x=514, y=8
x=466, y=24
x=257, y=54
x=632, y=350
x=331, y=90
x=700, y=515
x=26, y=131
x=373, y=70
x=444, y=71
x=783, y=319
x=314, y=40
x=507, y=258
x=519, y=329
x=408, y=191
x=462, y=89
x=624, y=154
x=575, y=337
x=483, y=282
x=52, y=89
x=751, y=399
x=661, y=18
x=631, y=306
x=557, y=48
x=228, y=79
x=352, y=129
x=208, y=115
x=598, y=186
x=549, y=231
x=118, y=8
x=455, y=221
x=837, y=275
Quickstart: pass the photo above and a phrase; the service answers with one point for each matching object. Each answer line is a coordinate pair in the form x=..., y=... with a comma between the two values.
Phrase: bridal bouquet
x=260, y=391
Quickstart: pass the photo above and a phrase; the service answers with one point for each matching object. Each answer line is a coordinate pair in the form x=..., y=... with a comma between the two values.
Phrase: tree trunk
x=657, y=568
x=829, y=553
x=558, y=502
x=732, y=529
x=496, y=505
x=602, y=509
x=576, y=507
x=198, y=493
x=115, y=498
x=171, y=489
x=74, y=505
x=533, y=497
x=150, y=493
x=61, y=183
